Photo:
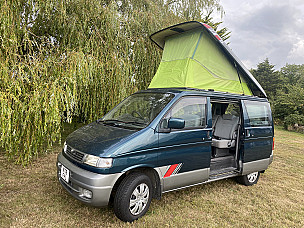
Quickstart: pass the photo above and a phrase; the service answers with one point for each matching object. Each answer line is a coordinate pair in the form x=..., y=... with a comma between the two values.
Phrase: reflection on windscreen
x=138, y=110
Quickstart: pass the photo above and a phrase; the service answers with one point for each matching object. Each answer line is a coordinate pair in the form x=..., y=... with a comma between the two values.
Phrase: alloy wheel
x=139, y=199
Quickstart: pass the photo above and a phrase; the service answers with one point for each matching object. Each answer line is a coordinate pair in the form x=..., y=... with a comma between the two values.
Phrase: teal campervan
x=203, y=118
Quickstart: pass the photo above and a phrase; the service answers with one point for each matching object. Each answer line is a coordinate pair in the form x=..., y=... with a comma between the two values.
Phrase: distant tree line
x=285, y=90
x=73, y=60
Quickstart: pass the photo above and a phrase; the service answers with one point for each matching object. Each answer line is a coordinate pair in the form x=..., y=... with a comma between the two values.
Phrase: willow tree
x=73, y=60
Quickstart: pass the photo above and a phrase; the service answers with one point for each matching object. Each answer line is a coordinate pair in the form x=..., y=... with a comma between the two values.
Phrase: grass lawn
x=32, y=197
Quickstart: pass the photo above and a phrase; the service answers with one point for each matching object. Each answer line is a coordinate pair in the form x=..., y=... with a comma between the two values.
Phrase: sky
x=261, y=29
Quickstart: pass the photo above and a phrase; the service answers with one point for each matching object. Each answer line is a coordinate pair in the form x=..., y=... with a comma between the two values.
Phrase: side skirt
x=212, y=178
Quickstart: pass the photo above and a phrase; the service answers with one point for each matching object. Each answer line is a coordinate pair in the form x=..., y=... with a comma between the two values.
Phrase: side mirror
x=176, y=123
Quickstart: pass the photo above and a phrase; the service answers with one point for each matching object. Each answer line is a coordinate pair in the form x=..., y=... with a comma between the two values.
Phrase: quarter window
x=190, y=109
x=258, y=113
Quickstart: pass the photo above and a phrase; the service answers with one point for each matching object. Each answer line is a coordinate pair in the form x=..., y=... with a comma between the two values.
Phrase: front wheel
x=249, y=179
x=133, y=197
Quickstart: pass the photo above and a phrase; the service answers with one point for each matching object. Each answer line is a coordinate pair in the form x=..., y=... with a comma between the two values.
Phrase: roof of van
x=228, y=67
x=208, y=93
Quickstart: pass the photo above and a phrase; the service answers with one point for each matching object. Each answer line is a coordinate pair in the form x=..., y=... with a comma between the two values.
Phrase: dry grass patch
x=32, y=197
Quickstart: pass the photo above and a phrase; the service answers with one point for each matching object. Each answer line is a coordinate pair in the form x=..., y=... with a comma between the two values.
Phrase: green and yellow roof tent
x=194, y=56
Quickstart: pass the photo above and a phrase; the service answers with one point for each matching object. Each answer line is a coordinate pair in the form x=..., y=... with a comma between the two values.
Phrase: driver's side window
x=191, y=109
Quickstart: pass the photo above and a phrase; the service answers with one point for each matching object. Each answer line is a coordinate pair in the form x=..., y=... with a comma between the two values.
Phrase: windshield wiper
x=119, y=121
x=135, y=123
x=111, y=120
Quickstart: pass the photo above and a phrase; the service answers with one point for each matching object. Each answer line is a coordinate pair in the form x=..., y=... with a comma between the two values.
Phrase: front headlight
x=97, y=161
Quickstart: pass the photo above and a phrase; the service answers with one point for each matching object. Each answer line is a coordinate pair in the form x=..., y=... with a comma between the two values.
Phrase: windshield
x=138, y=110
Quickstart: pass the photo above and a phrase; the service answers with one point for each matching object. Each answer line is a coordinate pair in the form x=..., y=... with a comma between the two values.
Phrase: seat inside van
x=225, y=131
x=225, y=120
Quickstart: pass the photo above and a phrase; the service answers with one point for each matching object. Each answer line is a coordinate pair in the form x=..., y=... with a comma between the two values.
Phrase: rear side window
x=259, y=113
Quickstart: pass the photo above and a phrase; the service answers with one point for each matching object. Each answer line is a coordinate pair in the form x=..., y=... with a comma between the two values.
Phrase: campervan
x=203, y=118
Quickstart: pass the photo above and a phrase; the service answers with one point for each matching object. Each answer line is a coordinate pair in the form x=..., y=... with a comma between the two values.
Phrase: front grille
x=76, y=155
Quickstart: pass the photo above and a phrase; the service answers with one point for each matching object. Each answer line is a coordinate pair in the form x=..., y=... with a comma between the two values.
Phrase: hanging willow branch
x=64, y=61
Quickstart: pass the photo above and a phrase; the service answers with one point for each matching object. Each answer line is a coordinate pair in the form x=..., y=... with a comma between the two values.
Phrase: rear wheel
x=133, y=197
x=249, y=179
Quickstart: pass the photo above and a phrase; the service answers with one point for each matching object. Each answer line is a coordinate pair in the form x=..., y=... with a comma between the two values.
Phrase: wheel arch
x=149, y=171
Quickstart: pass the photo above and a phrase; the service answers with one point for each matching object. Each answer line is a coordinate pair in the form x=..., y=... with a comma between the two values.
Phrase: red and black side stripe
x=173, y=169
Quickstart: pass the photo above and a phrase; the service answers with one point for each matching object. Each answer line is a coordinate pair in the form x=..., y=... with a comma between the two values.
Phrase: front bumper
x=100, y=185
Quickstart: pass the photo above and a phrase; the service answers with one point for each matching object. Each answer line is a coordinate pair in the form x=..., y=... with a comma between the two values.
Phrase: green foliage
x=64, y=61
x=192, y=9
x=269, y=79
x=293, y=119
x=289, y=105
x=223, y=32
x=285, y=89
x=293, y=74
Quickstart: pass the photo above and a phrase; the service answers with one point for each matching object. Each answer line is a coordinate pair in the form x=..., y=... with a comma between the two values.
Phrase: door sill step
x=223, y=173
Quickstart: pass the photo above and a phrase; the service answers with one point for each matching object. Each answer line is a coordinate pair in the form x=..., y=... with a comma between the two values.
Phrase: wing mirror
x=172, y=123
x=176, y=123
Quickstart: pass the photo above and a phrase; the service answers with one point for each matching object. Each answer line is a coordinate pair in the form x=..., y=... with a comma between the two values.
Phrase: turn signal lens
x=105, y=162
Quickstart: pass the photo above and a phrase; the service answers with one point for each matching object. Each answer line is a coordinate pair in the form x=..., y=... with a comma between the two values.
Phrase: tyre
x=133, y=197
x=249, y=179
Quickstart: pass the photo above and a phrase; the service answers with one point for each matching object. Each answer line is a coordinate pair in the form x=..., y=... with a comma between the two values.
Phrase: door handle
x=248, y=133
x=208, y=135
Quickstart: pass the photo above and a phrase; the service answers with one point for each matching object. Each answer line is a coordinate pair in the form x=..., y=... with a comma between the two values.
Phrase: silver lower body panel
x=254, y=166
x=185, y=179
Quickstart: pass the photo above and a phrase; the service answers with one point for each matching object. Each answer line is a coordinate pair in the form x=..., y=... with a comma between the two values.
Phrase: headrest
x=227, y=117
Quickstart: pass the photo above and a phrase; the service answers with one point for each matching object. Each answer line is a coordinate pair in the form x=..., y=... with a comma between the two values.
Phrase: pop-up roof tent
x=194, y=56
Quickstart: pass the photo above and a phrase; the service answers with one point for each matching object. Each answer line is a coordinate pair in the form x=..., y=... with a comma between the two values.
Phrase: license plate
x=65, y=174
